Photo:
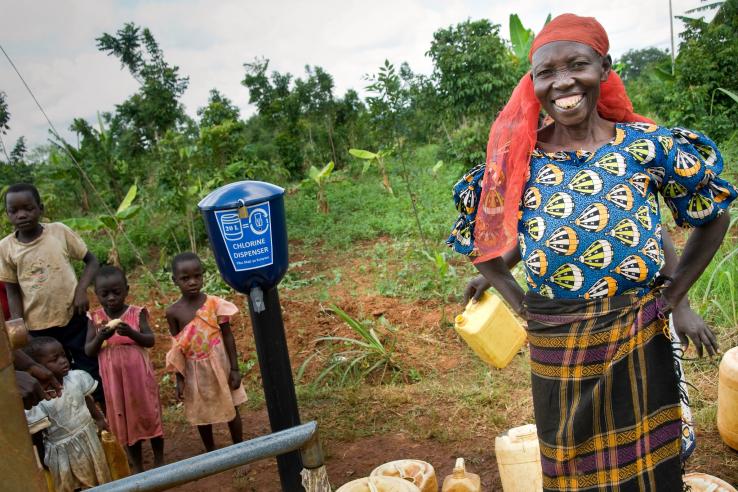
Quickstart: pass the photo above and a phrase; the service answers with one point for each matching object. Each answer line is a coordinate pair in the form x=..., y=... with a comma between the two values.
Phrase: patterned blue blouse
x=590, y=223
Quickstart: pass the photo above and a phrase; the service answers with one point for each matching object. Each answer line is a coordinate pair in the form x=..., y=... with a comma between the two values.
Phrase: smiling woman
x=566, y=80
x=578, y=201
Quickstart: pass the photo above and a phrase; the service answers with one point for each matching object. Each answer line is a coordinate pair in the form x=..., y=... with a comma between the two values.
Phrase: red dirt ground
x=305, y=319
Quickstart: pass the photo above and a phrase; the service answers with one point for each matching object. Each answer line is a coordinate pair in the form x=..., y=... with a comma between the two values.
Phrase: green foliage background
x=301, y=122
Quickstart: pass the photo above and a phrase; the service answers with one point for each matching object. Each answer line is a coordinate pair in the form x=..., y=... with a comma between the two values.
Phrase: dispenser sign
x=247, y=234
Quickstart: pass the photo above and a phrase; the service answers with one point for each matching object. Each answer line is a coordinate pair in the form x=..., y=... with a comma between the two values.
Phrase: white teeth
x=568, y=102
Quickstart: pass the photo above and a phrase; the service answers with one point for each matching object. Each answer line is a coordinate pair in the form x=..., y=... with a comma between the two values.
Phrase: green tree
x=638, y=61
x=473, y=68
x=4, y=119
x=155, y=108
x=695, y=97
x=19, y=151
x=219, y=110
x=101, y=158
x=297, y=115
x=389, y=103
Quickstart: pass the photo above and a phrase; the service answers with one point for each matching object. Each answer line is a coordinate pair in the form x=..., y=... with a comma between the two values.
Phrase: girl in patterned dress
x=119, y=334
x=203, y=353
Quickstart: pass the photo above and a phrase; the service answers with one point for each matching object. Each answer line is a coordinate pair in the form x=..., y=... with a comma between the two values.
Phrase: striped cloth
x=605, y=394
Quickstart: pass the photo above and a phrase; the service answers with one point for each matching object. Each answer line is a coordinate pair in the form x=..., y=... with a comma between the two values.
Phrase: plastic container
x=519, y=460
x=461, y=480
x=491, y=330
x=115, y=456
x=702, y=482
x=727, y=412
x=379, y=484
x=417, y=472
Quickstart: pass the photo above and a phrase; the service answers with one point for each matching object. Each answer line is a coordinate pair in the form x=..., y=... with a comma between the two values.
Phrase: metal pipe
x=19, y=467
x=207, y=464
x=312, y=453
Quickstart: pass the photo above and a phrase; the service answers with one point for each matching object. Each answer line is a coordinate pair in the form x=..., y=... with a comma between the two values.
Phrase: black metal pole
x=276, y=375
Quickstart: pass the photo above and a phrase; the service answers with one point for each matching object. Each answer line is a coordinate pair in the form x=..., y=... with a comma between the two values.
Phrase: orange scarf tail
x=511, y=140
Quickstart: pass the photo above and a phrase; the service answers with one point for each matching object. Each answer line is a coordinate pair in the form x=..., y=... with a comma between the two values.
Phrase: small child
x=73, y=452
x=118, y=335
x=204, y=353
x=42, y=287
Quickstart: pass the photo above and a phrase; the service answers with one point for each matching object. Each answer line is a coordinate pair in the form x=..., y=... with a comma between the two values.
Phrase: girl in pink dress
x=119, y=334
x=203, y=353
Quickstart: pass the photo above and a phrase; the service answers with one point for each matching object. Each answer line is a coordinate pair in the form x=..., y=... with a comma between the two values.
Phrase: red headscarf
x=513, y=137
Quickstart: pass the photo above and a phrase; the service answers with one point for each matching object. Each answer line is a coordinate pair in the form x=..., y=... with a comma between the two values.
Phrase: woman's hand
x=47, y=379
x=498, y=275
x=690, y=325
x=475, y=288
x=30, y=389
x=234, y=379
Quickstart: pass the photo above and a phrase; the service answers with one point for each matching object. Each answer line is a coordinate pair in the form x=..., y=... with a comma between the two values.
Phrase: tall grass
x=352, y=360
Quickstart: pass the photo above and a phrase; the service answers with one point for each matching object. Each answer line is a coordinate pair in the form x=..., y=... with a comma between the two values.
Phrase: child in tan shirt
x=35, y=264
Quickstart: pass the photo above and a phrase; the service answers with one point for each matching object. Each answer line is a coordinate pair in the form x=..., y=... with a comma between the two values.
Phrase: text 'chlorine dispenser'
x=246, y=224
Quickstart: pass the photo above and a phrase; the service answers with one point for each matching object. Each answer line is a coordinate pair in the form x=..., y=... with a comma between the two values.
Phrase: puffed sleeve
x=466, y=194
x=692, y=187
x=36, y=413
x=224, y=310
x=86, y=383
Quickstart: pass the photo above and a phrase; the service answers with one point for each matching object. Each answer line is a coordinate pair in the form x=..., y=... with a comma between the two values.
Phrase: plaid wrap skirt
x=605, y=394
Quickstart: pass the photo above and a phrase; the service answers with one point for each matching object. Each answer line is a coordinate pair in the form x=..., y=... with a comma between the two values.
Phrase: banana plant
x=112, y=225
x=521, y=38
x=378, y=158
x=320, y=177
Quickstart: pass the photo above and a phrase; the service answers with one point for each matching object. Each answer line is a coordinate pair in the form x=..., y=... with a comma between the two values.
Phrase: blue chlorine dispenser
x=247, y=228
x=246, y=225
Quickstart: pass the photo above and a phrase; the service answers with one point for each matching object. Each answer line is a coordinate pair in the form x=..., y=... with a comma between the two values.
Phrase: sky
x=53, y=44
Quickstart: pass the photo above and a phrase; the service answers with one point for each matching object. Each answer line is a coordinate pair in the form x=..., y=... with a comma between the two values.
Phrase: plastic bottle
x=115, y=456
x=491, y=330
x=727, y=412
x=519, y=460
x=461, y=480
x=416, y=472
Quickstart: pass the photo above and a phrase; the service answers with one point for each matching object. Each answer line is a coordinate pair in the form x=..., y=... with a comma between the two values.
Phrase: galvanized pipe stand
x=19, y=467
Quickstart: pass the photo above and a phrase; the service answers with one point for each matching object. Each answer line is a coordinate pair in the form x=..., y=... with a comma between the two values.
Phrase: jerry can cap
x=523, y=433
